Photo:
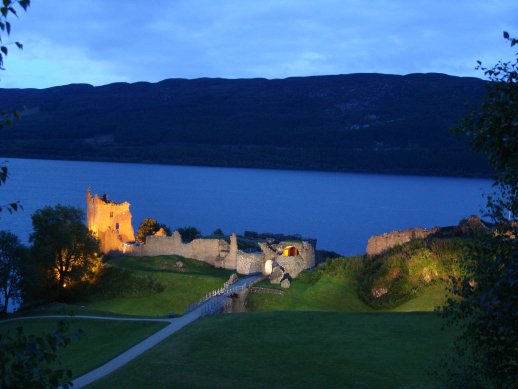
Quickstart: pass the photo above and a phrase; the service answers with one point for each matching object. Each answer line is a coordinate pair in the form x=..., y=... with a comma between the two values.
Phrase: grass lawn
x=331, y=292
x=101, y=341
x=57, y=308
x=326, y=294
x=293, y=349
x=182, y=288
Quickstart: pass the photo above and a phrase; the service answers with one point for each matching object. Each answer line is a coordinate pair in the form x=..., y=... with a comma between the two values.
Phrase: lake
x=340, y=210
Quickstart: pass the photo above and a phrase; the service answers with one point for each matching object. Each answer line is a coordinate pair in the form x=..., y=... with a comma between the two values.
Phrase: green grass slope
x=293, y=350
x=102, y=339
x=414, y=276
x=161, y=287
x=322, y=289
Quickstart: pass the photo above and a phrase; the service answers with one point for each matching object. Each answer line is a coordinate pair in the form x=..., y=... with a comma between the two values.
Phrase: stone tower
x=109, y=221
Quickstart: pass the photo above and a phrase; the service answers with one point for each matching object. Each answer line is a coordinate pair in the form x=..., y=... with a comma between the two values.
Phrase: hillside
x=356, y=122
x=414, y=276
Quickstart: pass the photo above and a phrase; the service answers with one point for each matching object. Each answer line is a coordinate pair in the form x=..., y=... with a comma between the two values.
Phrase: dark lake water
x=341, y=210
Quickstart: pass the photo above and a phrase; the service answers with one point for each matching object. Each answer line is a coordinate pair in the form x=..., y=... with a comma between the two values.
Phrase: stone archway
x=268, y=266
x=290, y=251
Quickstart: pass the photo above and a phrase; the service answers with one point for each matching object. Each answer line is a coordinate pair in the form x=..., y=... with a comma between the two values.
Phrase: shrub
x=189, y=234
x=150, y=227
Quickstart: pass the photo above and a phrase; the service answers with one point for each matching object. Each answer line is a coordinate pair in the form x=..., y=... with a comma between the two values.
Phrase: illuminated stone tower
x=109, y=221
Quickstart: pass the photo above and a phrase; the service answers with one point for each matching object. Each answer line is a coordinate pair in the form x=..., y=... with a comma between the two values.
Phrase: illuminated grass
x=333, y=286
x=292, y=349
x=181, y=288
x=102, y=339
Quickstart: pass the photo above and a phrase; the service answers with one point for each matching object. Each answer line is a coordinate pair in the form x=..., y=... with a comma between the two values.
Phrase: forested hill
x=356, y=122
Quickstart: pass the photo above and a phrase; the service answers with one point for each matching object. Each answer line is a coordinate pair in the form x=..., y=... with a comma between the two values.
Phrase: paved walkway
x=72, y=316
x=157, y=337
x=208, y=307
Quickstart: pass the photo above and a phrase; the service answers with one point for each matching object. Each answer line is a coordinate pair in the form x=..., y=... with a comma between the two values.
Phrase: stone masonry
x=111, y=223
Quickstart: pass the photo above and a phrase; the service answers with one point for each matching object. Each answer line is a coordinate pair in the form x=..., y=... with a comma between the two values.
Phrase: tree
x=25, y=360
x=189, y=234
x=493, y=130
x=11, y=253
x=6, y=118
x=486, y=352
x=63, y=248
x=149, y=227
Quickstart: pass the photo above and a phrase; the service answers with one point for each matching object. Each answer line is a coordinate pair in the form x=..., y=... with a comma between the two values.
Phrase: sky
x=104, y=41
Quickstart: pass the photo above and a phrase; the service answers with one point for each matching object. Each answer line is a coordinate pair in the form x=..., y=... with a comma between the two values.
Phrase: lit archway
x=268, y=265
x=290, y=251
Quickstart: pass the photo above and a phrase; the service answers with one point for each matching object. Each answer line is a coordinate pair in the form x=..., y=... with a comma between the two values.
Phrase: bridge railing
x=226, y=291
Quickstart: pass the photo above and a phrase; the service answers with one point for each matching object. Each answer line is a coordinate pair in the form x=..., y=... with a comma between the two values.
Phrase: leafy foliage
x=493, y=130
x=25, y=359
x=7, y=8
x=6, y=118
x=189, y=234
x=11, y=255
x=149, y=227
x=64, y=250
x=486, y=308
x=218, y=232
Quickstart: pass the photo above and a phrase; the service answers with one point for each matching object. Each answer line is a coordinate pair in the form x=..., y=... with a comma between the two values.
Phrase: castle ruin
x=111, y=223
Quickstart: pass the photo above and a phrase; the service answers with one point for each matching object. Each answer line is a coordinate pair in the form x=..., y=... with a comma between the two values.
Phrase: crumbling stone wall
x=380, y=243
x=227, y=258
x=109, y=221
x=206, y=250
x=295, y=264
x=248, y=263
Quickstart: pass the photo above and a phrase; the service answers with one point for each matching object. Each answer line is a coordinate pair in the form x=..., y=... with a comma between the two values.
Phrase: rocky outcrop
x=277, y=275
x=380, y=243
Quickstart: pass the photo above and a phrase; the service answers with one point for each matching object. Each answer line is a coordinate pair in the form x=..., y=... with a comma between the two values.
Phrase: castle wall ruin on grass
x=111, y=223
x=380, y=243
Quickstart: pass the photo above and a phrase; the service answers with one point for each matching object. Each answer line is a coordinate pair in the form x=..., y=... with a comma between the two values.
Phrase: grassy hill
x=293, y=350
x=413, y=277
x=153, y=286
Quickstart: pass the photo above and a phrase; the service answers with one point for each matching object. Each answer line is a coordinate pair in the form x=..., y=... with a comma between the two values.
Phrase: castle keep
x=111, y=223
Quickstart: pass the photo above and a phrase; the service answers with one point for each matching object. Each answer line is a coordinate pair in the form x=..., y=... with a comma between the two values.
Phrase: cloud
x=97, y=41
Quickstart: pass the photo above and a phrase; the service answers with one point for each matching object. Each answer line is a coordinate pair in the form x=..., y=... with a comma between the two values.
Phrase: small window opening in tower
x=117, y=226
x=111, y=214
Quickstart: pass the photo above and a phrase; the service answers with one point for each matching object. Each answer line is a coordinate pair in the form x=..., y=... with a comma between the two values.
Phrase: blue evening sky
x=104, y=41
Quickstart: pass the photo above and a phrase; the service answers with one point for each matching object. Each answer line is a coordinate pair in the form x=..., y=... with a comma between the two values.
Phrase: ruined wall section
x=206, y=250
x=296, y=264
x=109, y=221
x=380, y=243
x=227, y=258
x=248, y=263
